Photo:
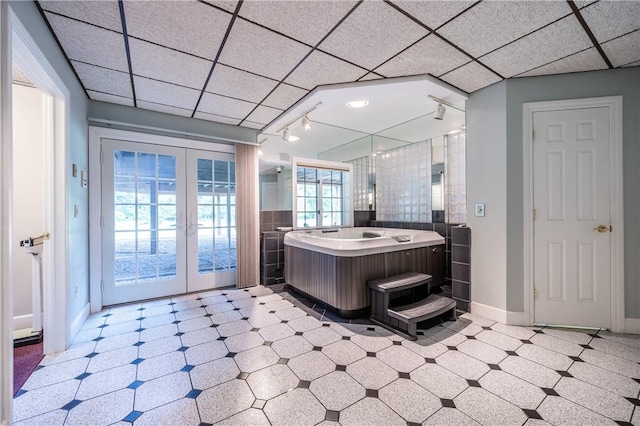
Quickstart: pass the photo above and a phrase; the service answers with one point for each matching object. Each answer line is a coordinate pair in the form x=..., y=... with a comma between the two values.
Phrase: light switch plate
x=480, y=210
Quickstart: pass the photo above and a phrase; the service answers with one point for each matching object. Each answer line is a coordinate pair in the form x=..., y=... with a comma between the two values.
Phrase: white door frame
x=19, y=47
x=614, y=103
x=96, y=134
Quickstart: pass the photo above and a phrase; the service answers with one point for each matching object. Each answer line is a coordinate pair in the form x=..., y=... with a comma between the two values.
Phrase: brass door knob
x=602, y=229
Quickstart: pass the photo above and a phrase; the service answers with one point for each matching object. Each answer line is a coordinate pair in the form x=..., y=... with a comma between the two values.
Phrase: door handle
x=603, y=228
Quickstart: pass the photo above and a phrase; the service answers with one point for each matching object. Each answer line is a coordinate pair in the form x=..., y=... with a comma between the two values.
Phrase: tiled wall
x=272, y=245
x=363, y=217
x=461, y=267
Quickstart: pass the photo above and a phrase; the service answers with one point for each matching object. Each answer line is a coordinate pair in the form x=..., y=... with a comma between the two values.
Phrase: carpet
x=25, y=360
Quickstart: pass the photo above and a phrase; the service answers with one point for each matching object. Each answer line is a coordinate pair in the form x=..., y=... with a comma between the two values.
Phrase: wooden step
x=430, y=307
x=399, y=282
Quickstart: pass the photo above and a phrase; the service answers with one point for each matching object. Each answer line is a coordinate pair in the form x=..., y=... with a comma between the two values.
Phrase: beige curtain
x=247, y=216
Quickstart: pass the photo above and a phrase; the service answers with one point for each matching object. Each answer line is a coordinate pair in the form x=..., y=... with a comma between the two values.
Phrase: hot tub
x=333, y=266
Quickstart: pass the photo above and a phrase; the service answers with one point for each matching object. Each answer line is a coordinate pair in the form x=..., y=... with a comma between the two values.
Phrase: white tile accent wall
x=403, y=183
x=456, y=178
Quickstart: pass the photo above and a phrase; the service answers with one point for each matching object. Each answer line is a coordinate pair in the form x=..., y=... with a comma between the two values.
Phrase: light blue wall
x=78, y=285
x=625, y=82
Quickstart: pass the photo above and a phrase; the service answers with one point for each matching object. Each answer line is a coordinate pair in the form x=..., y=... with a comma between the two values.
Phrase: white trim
x=496, y=314
x=77, y=323
x=614, y=103
x=96, y=134
x=22, y=322
x=516, y=318
x=632, y=325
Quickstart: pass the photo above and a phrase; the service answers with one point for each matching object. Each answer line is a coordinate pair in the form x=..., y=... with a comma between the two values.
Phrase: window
x=322, y=194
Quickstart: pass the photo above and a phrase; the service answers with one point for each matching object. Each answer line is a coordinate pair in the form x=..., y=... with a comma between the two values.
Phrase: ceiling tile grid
x=252, y=125
x=470, y=77
x=284, y=96
x=239, y=84
x=434, y=13
x=371, y=76
x=217, y=118
x=164, y=108
x=255, y=49
x=305, y=21
x=320, y=68
x=188, y=26
x=372, y=34
x=104, y=80
x=553, y=42
x=623, y=50
x=105, y=14
x=112, y=99
x=90, y=44
x=610, y=19
x=227, y=107
x=263, y=115
x=490, y=25
x=586, y=60
x=228, y=5
x=160, y=63
x=429, y=56
x=164, y=93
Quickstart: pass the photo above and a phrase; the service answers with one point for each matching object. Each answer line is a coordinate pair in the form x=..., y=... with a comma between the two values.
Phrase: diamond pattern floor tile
x=267, y=362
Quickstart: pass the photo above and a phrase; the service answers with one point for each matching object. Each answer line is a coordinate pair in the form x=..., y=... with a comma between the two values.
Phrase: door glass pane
x=142, y=206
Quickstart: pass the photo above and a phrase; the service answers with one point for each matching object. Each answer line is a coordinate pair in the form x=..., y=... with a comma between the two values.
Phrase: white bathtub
x=351, y=242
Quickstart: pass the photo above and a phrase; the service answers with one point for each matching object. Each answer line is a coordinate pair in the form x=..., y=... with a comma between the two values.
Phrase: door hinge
x=534, y=215
x=101, y=156
x=533, y=136
x=102, y=286
x=535, y=294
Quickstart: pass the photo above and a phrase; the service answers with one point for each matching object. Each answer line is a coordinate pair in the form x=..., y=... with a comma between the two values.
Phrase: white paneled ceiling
x=247, y=63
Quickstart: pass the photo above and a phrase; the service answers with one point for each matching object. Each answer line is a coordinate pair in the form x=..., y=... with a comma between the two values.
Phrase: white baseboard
x=632, y=325
x=79, y=321
x=22, y=321
x=498, y=315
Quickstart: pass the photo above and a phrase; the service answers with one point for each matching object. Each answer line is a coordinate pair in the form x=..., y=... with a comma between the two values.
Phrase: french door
x=168, y=220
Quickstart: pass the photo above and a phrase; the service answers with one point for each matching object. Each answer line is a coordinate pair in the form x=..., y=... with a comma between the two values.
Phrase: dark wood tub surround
x=341, y=282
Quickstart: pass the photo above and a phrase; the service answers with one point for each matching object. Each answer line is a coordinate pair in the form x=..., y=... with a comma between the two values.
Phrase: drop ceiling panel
x=19, y=77
x=470, y=77
x=105, y=14
x=112, y=99
x=160, y=63
x=492, y=24
x=320, y=68
x=217, y=118
x=239, y=84
x=371, y=76
x=306, y=21
x=610, y=19
x=164, y=93
x=187, y=26
x=227, y=107
x=373, y=33
x=252, y=125
x=587, y=60
x=633, y=64
x=429, y=56
x=104, y=80
x=263, y=115
x=434, y=13
x=556, y=41
x=90, y=44
x=252, y=48
x=164, y=108
x=623, y=49
x=284, y=96
x=227, y=5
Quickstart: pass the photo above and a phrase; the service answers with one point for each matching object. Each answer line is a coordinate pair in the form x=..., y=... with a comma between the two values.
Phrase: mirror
x=275, y=188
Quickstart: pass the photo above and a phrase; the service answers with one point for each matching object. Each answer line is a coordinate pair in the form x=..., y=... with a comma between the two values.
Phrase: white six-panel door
x=572, y=239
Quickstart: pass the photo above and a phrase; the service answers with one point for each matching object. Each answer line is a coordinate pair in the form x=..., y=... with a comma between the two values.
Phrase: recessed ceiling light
x=357, y=104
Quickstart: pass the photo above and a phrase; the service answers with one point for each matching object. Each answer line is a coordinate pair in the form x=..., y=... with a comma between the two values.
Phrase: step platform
x=425, y=309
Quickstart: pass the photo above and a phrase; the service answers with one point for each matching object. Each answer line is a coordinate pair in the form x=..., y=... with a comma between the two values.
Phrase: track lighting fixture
x=439, y=113
x=287, y=136
x=306, y=123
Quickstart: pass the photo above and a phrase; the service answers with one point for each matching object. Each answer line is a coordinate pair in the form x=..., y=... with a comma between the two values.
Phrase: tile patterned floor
x=252, y=357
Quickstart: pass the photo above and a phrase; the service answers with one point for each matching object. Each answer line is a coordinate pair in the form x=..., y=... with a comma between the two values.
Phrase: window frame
x=347, y=189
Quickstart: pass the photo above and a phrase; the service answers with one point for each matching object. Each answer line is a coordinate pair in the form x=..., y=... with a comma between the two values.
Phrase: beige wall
x=28, y=193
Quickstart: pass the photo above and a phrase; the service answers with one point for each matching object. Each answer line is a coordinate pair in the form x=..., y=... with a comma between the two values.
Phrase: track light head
x=306, y=123
x=439, y=113
x=287, y=136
